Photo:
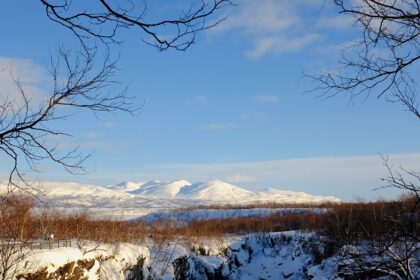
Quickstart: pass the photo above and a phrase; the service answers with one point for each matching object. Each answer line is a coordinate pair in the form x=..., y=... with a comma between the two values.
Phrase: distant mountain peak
x=139, y=198
x=215, y=190
x=125, y=186
x=161, y=189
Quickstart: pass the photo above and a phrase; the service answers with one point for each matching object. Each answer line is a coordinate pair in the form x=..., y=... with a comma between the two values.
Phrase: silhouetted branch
x=25, y=127
x=380, y=63
x=102, y=19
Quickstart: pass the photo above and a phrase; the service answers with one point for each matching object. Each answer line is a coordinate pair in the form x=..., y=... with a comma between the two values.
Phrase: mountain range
x=134, y=199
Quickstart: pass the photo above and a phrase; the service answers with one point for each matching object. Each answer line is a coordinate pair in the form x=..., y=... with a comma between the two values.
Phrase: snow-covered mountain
x=215, y=191
x=130, y=199
x=125, y=186
x=160, y=189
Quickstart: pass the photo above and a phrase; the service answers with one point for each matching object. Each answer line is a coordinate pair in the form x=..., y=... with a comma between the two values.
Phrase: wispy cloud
x=219, y=126
x=263, y=16
x=266, y=98
x=335, y=22
x=239, y=178
x=344, y=177
x=279, y=44
x=270, y=26
x=28, y=73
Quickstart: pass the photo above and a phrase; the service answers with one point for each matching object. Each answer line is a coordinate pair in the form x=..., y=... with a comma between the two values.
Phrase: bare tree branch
x=102, y=19
x=382, y=61
x=77, y=84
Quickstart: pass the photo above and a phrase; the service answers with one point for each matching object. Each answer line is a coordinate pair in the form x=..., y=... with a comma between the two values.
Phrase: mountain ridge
x=218, y=190
x=128, y=200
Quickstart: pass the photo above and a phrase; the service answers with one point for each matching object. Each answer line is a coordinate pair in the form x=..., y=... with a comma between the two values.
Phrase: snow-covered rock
x=288, y=255
x=93, y=262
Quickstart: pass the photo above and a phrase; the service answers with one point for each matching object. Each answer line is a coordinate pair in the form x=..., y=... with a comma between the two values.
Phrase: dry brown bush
x=15, y=221
x=348, y=223
x=345, y=223
x=245, y=225
x=19, y=221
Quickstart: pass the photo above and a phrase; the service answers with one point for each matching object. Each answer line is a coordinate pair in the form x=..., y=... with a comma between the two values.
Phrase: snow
x=128, y=200
x=284, y=255
x=109, y=260
x=126, y=186
x=163, y=190
x=292, y=197
x=53, y=258
x=215, y=191
x=281, y=255
x=123, y=256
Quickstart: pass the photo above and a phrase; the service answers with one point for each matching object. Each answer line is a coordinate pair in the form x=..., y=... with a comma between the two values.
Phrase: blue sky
x=232, y=107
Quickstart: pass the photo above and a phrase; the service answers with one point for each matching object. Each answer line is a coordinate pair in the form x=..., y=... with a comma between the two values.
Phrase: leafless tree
x=14, y=214
x=383, y=61
x=27, y=127
x=397, y=180
x=407, y=181
x=102, y=19
x=392, y=248
x=394, y=253
x=395, y=258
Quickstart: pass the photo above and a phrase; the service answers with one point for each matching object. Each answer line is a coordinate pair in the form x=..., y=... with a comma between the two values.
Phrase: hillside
x=130, y=200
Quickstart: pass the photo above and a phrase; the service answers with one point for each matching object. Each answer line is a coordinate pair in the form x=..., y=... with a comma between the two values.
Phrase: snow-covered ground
x=92, y=261
x=130, y=200
x=258, y=256
x=289, y=255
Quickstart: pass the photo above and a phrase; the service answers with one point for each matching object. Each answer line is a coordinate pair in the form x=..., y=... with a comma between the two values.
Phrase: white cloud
x=271, y=26
x=336, y=49
x=239, y=178
x=280, y=44
x=29, y=75
x=219, y=126
x=335, y=22
x=263, y=16
x=24, y=69
x=344, y=177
